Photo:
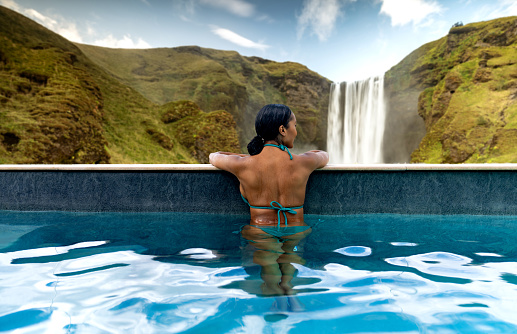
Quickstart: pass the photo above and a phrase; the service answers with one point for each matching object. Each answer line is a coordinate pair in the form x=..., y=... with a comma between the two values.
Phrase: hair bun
x=256, y=145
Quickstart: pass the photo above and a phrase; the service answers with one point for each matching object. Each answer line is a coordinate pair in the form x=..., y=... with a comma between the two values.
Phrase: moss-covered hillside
x=57, y=106
x=223, y=80
x=50, y=106
x=466, y=85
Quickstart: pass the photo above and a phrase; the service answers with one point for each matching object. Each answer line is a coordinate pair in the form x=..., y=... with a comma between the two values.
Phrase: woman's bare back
x=272, y=176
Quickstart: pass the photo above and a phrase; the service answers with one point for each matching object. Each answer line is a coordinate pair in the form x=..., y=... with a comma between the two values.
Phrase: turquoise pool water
x=198, y=273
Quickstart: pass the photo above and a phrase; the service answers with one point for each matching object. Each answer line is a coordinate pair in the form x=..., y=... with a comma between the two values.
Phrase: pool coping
x=208, y=167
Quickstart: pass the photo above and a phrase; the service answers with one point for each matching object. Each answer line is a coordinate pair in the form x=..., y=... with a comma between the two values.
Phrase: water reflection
x=275, y=252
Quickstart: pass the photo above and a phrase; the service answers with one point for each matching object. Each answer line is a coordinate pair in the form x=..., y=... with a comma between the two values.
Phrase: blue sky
x=343, y=40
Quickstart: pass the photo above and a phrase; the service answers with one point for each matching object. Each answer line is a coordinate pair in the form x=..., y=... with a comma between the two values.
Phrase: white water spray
x=356, y=121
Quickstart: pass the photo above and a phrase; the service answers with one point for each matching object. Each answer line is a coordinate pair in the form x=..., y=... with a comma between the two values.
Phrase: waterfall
x=356, y=120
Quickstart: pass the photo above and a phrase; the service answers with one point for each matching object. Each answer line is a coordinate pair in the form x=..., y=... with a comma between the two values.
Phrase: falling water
x=356, y=121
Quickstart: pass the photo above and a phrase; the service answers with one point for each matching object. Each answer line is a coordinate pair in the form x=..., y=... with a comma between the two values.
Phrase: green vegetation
x=222, y=80
x=468, y=93
x=56, y=106
x=51, y=108
x=67, y=103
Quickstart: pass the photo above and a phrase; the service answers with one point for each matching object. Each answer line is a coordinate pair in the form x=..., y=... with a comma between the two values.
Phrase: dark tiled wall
x=329, y=192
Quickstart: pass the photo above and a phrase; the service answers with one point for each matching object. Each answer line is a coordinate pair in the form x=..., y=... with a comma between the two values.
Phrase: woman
x=272, y=183
x=272, y=179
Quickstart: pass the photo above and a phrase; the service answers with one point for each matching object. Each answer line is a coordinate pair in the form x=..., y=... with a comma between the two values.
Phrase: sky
x=342, y=40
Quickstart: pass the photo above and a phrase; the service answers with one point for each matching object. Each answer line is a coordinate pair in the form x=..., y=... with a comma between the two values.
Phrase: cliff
x=464, y=88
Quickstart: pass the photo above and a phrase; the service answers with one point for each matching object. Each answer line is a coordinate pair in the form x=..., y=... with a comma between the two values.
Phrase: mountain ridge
x=218, y=79
x=453, y=100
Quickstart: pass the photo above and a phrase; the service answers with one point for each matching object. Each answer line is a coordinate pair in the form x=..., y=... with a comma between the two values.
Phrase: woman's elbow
x=324, y=159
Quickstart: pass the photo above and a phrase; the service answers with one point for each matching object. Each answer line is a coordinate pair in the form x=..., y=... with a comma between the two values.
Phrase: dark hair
x=267, y=122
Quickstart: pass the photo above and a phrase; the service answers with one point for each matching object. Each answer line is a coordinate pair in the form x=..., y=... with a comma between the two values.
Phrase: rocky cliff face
x=467, y=93
x=223, y=80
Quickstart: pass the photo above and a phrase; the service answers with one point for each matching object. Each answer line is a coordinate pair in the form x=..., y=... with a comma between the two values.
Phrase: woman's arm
x=227, y=161
x=315, y=159
x=231, y=153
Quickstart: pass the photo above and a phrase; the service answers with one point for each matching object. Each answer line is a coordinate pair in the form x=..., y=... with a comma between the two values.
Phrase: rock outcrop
x=465, y=89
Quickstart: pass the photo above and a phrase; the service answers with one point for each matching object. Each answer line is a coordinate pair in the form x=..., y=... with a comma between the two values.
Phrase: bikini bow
x=283, y=209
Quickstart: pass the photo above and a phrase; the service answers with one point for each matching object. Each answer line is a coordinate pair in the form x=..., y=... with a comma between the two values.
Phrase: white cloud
x=265, y=18
x=69, y=30
x=10, y=4
x=238, y=39
x=237, y=7
x=57, y=24
x=407, y=11
x=125, y=42
x=505, y=8
x=185, y=19
x=90, y=30
x=188, y=5
x=320, y=16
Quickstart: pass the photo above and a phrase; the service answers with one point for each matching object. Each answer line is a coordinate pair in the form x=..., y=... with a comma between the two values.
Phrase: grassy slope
x=222, y=80
x=56, y=106
x=469, y=93
x=128, y=120
x=50, y=106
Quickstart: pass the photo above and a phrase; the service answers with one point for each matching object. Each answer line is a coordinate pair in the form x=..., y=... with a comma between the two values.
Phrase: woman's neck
x=273, y=142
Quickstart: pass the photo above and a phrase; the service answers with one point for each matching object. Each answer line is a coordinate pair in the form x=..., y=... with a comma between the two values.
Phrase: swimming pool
x=197, y=272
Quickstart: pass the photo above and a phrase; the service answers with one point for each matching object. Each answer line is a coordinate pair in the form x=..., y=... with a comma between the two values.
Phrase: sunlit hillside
x=223, y=80
x=466, y=86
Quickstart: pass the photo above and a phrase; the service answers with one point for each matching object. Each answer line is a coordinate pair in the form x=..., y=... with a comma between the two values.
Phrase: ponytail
x=256, y=145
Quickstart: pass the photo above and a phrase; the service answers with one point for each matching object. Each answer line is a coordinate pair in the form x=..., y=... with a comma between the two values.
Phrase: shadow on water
x=164, y=235
x=212, y=239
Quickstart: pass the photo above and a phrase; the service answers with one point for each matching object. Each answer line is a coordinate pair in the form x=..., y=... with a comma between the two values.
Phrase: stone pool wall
x=333, y=190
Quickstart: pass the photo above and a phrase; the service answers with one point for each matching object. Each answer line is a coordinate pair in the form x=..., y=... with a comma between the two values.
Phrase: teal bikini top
x=274, y=205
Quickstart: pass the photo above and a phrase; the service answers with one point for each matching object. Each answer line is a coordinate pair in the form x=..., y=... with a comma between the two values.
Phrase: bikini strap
x=274, y=205
x=283, y=148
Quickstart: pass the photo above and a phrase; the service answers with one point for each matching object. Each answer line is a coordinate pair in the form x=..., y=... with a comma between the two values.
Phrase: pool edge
x=208, y=167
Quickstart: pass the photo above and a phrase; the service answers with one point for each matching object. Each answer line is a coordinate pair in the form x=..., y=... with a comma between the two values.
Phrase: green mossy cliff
x=50, y=105
x=59, y=106
x=464, y=86
x=223, y=80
